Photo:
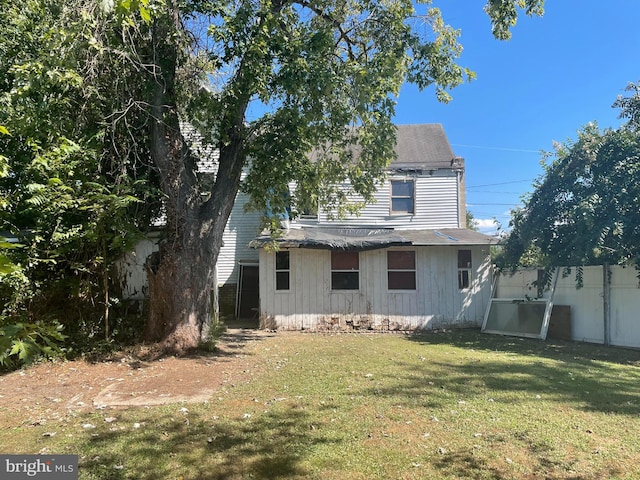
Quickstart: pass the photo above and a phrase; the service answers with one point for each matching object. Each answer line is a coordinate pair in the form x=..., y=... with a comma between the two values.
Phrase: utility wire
x=502, y=183
x=499, y=204
x=504, y=149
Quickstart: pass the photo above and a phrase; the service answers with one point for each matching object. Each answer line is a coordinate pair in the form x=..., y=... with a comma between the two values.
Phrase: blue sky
x=555, y=75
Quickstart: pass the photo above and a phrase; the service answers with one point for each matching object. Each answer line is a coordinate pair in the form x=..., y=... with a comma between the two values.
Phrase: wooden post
x=606, y=300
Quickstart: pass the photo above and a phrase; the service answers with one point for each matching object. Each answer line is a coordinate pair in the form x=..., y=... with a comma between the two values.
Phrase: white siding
x=436, y=302
x=133, y=276
x=242, y=227
x=436, y=206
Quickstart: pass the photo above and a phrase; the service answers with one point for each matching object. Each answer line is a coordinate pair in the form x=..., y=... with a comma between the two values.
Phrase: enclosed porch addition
x=329, y=279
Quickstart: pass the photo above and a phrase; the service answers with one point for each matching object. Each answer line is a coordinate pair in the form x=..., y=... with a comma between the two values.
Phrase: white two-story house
x=406, y=262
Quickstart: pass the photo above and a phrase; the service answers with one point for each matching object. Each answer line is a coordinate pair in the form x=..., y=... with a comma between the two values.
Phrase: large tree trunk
x=181, y=273
x=181, y=279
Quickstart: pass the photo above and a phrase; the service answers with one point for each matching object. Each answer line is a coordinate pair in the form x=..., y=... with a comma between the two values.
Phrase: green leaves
x=22, y=343
x=504, y=14
x=585, y=208
x=70, y=170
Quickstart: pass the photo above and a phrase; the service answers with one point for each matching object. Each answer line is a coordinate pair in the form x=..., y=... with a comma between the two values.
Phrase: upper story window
x=401, y=270
x=307, y=206
x=402, y=197
x=464, y=269
x=283, y=271
x=345, y=270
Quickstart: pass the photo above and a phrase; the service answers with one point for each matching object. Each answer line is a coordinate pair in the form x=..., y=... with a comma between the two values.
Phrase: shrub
x=23, y=343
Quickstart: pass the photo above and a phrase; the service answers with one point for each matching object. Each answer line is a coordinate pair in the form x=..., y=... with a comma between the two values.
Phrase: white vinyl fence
x=601, y=311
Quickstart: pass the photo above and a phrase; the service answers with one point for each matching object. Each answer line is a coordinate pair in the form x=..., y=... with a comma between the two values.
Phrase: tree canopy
x=585, y=207
x=94, y=97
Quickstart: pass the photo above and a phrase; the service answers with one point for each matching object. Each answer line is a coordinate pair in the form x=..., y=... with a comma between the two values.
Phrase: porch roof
x=370, y=238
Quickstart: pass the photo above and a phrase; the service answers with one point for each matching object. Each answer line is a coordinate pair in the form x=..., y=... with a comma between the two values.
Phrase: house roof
x=448, y=236
x=371, y=238
x=418, y=147
x=423, y=147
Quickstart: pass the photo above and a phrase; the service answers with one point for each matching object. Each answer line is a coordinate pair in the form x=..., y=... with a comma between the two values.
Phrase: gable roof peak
x=423, y=146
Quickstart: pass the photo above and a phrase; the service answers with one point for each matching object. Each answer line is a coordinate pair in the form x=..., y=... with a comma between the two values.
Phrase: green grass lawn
x=456, y=405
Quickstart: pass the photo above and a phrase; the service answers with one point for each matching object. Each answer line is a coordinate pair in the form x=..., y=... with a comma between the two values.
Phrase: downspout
x=457, y=163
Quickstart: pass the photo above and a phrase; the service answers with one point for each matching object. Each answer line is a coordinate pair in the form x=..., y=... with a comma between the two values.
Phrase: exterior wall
x=242, y=227
x=587, y=305
x=133, y=276
x=436, y=302
x=436, y=205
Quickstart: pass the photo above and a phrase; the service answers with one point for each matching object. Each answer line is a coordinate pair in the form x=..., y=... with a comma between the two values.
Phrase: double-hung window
x=401, y=270
x=402, y=197
x=464, y=269
x=345, y=270
x=283, y=271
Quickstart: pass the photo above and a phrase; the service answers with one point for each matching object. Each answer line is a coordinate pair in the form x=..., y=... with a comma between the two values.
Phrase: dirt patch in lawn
x=129, y=379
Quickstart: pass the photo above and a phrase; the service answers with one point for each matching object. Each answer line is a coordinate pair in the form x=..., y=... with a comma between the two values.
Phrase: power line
x=502, y=183
x=495, y=192
x=504, y=149
x=499, y=204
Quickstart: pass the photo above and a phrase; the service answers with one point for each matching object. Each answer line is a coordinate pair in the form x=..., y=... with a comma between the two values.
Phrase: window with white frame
x=402, y=197
x=401, y=270
x=345, y=270
x=283, y=271
x=464, y=269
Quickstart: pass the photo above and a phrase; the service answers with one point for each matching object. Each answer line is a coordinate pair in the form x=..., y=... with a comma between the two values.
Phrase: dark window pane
x=282, y=260
x=463, y=279
x=344, y=261
x=401, y=189
x=402, y=205
x=282, y=280
x=464, y=258
x=402, y=280
x=344, y=281
x=401, y=260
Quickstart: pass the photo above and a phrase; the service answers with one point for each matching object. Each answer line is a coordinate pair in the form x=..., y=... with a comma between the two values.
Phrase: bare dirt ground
x=134, y=378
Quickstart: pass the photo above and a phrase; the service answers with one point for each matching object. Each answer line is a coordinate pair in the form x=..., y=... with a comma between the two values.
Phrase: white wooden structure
x=591, y=320
x=411, y=262
x=436, y=302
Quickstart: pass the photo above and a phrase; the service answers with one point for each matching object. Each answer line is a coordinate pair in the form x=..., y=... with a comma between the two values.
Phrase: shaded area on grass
x=448, y=406
x=195, y=446
x=588, y=376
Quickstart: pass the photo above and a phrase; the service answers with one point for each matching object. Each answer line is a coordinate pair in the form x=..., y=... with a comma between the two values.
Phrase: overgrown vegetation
x=70, y=200
x=456, y=405
x=91, y=146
